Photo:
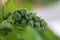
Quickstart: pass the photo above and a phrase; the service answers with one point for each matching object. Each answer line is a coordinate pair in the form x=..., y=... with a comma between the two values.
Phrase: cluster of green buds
x=23, y=18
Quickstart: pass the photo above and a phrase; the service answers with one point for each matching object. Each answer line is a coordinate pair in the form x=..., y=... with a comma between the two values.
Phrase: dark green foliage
x=23, y=12
x=23, y=21
x=17, y=16
x=37, y=24
x=36, y=18
x=31, y=23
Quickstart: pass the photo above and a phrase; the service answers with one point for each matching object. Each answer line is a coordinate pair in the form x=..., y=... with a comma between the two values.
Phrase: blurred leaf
x=31, y=34
x=12, y=5
x=47, y=34
x=27, y=34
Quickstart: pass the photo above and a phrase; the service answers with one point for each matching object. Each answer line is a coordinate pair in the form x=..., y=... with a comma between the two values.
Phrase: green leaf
x=30, y=34
x=47, y=34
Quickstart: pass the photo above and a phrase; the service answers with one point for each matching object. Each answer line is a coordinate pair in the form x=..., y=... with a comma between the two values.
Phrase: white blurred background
x=51, y=13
